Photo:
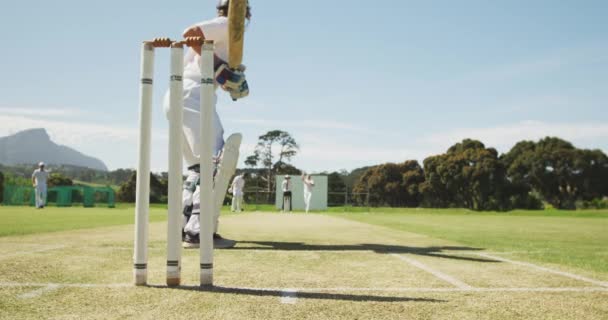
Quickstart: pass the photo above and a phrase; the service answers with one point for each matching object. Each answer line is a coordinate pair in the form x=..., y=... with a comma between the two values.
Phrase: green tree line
x=470, y=175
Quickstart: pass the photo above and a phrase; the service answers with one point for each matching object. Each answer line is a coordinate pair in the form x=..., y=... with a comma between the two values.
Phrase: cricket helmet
x=224, y=4
x=221, y=4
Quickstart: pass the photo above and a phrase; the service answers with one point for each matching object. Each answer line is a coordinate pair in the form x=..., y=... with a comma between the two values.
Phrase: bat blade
x=236, y=31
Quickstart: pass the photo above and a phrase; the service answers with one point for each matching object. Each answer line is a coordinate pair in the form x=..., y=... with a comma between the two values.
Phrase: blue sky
x=356, y=82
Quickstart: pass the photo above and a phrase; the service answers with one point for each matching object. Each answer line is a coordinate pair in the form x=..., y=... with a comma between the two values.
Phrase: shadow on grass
x=298, y=295
x=437, y=252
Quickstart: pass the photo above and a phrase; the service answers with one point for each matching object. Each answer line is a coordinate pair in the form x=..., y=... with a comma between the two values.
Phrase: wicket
x=208, y=206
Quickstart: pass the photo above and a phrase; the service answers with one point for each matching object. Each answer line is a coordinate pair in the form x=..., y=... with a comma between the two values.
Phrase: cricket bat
x=236, y=32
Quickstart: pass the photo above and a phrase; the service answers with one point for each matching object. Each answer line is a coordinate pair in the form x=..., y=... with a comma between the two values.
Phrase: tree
x=391, y=184
x=593, y=166
x=281, y=168
x=468, y=175
x=57, y=179
x=266, y=154
x=252, y=160
x=119, y=176
x=411, y=179
x=351, y=178
x=1, y=187
x=158, y=189
x=434, y=191
x=336, y=188
x=558, y=171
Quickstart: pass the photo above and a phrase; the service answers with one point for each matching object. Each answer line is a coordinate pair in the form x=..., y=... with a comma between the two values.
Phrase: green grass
x=570, y=238
x=342, y=269
x=28, y=220
x=345, y=265
x=544, y=213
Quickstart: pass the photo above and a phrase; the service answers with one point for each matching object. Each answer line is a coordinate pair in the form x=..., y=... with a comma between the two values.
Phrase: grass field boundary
x=544, y=269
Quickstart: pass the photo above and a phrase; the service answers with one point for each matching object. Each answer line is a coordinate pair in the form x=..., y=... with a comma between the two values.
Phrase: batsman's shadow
x=299, y=294
x=432, y=251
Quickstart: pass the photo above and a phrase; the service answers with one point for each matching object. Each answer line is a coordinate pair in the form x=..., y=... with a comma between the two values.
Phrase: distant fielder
x=308, y=185
x=39, y=179
x=237, y=186
x=230, y=80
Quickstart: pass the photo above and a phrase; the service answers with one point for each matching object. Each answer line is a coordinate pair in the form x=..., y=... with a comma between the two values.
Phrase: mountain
x=34, y=145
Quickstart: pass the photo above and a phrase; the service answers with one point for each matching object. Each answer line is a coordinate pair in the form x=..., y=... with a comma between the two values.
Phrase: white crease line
x=64, y=285
x=335, y=289
x=557, y=289
x=470, y=289
x=128, y=249
x=289, y=296
x=430, y=290
x=505, y=252
x=537, y=267
x=38, y=292
x=459, y=284
x=272, y=250
x=24, y=253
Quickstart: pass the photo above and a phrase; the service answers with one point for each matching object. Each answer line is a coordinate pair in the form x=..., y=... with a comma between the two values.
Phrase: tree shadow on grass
x=298, y=294
x=434, y=251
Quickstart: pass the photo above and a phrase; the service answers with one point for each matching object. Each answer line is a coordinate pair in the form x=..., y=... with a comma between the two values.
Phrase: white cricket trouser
x=237, y=202
x=191, y=129
x=307, y=196
x=40, y=195
x=192, y=123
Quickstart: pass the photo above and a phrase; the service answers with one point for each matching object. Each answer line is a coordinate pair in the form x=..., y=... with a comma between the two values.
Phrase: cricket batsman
x=231, y=81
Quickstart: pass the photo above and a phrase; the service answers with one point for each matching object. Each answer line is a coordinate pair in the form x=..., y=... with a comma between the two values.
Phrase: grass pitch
x=74, y=263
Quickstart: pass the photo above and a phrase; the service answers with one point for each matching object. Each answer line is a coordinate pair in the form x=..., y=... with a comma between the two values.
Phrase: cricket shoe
x=190, y=242
x=222, y=243
x=219, y=242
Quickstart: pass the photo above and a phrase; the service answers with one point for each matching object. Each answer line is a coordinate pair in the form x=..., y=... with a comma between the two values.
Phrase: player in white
x=39, y=179
x=237, y=192
x=286, y=187
x=308, y=185
x=217, y=30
